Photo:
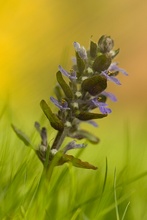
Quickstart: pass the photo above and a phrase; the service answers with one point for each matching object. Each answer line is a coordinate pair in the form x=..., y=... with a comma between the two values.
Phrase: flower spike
x=84, y=90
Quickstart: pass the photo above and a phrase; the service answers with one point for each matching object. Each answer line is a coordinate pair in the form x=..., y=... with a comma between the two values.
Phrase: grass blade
x=105, y=177
x=115, y=197
x=124, y=214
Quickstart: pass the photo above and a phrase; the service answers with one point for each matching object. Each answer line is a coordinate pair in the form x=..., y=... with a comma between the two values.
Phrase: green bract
x=85, y=116
x=93, y=49
x=94, y=85
x=55, y=122
x=80, y=64
x=101, y=63
x=66, y=89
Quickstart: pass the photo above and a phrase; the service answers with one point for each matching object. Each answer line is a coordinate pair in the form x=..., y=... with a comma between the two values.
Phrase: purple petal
x=81, y=50
x=56, y=102
x=115, y=80
x=123, y=71
x=93, y=123
x=62, y=106
x=105, y=110
x=72, y=145
x=97, y=103
x=76, y=46
x=114, y=67
x=110, y=96
x=65, y=73
x=111, y=78
x=101, y=106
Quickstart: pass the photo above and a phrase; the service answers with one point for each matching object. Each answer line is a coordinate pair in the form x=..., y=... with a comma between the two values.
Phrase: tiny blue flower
x=81, y=50
x=62, y=105
x=101, y=106
x=109, y=95
x=71, y=76
x=113, y=68
x=72, y=145
x=110, y=78
x=93, y=123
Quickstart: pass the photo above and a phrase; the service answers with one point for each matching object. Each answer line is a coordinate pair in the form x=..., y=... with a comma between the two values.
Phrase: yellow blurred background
x=37, y=35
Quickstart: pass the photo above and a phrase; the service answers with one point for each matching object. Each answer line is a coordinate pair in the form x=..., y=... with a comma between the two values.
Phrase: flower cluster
x=76, y=99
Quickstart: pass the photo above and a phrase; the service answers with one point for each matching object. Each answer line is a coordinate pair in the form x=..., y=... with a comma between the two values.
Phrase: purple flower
x=71, y=76
x=109, y=95
x=62, y=105
x=113, y=68
x=72, y=145
x=111, y=78
x=81, y=50
x=102, y=106
x=93, y=123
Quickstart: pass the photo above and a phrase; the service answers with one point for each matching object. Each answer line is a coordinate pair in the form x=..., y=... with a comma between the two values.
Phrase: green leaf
x=58, y=92
x=65, y=87
x=80, y=134
x=21, y=136
x=101, y=63
x=84, y=116
x=94, y=85
x=115, y=52
x=55, y=122
x=80, y=64
x=75, y=161
x=93, y=49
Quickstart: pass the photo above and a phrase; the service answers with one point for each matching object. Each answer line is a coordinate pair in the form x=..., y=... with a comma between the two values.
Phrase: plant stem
x=59, y=139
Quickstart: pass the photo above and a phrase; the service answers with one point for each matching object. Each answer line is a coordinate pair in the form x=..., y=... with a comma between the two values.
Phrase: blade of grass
x=111, y=207
x=34, y=195
x=125, y=211
x=104, y=185
x=105, y=177
x=76, y=214
x=134, y=179
x=115, y=197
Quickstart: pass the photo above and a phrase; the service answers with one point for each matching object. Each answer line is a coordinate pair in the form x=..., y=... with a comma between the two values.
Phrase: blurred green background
x=36, y=36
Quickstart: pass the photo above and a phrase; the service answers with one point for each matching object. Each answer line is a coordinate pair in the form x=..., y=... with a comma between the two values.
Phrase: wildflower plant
x=85, y=91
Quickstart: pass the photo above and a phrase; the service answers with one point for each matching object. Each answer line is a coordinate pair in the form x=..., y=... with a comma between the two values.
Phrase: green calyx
x=94, y=85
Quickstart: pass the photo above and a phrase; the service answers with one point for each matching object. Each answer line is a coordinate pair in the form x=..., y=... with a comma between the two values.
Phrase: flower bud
x=105, y=44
